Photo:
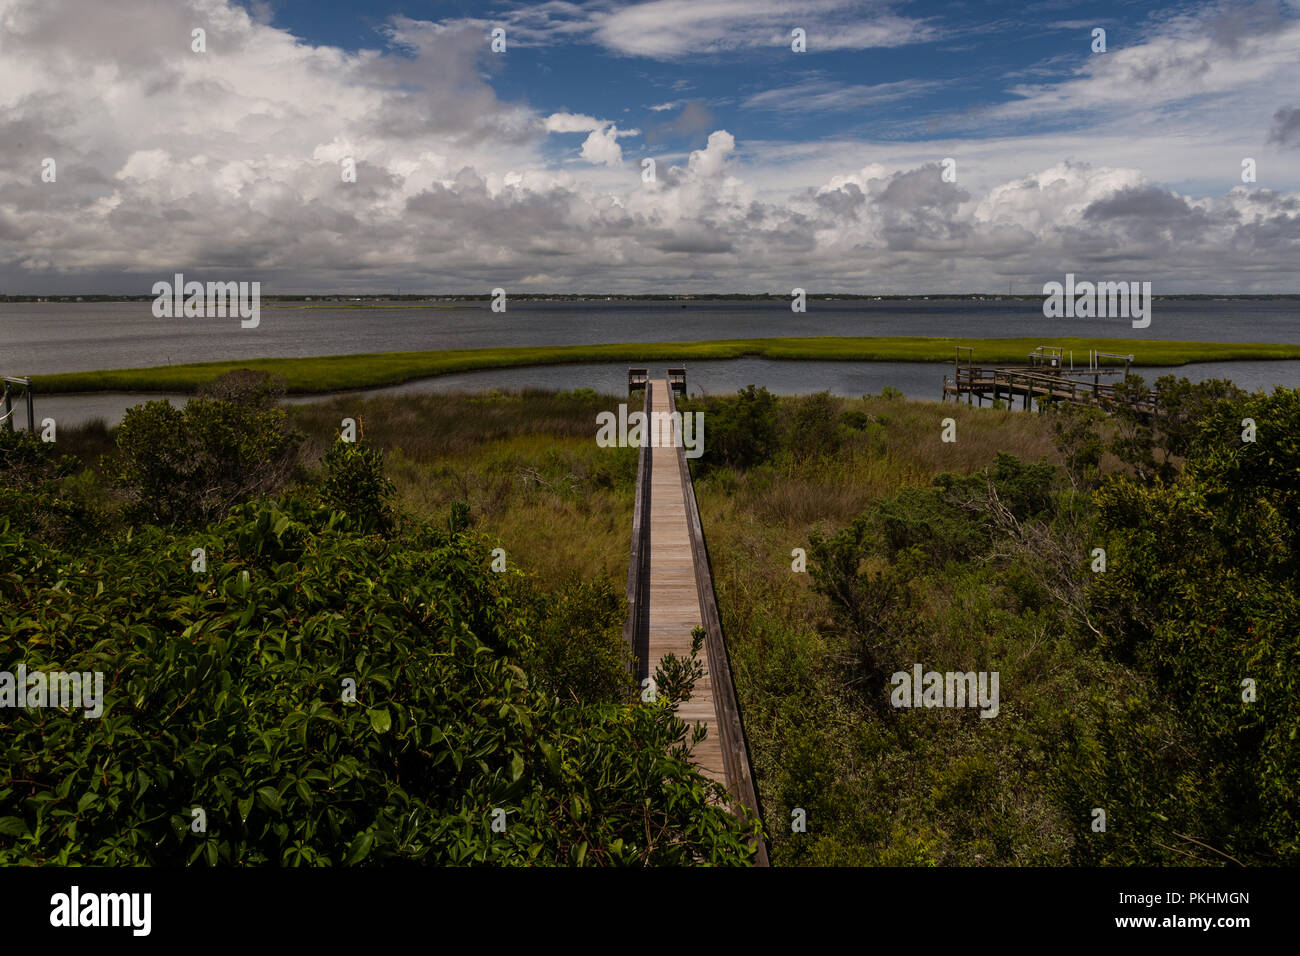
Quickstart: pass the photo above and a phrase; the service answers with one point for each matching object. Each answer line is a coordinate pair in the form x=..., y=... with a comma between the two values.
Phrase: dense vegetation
x=1123, y=690
x=1120, y=690
x=329, y=681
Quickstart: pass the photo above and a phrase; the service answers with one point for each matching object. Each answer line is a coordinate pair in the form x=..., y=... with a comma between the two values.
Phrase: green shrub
x=857, y=420
x=577, y=652
x=1150, y=444
x=355, y=484
x=246, y=387
x=26, y=462
x=740, y=432
x=813, y=427
x=325, y=698
x=1201, y=595
x=1076, y=432
x=187, y=467
x=45, y=494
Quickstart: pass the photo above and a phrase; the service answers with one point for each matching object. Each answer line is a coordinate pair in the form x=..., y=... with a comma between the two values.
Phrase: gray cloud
x=694, y=119
x=1146, y=202
x=1286, y=126
x=172, y=161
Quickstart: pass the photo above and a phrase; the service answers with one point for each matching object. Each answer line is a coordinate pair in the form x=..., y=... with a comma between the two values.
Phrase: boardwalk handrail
x=636, y=631
x=731, y=730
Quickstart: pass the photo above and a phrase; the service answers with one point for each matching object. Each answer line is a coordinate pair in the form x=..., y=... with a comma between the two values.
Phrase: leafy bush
x=741, y=432
x=1201, y=594
x=1076, y=432
x=230, y=690
x=246, y=387
x=813, y=427
x=355, y=484
x=858, y=420
x=952, y=520
x=187, y=467
x=577, y=652
x=26, y=462
x=1148, y=443
x=44, y=494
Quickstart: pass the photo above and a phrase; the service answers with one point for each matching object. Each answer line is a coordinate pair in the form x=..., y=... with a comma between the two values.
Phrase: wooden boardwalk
x=674, y=605
x=670, y=593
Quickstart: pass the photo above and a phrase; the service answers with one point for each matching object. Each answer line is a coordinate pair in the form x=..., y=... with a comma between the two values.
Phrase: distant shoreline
x=373, y=299
x=338, y=373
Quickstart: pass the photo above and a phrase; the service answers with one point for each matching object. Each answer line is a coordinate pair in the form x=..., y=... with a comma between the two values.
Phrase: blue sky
x=524, y=169
x=939, y=63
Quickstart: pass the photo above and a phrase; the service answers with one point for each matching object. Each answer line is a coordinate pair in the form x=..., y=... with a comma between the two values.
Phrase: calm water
x=851, y=379
x=39, y=338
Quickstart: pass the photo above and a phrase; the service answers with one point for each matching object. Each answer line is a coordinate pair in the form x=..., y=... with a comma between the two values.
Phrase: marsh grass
x=526, y=463
x=899, y=446
x=328, y=373
x=88, y=441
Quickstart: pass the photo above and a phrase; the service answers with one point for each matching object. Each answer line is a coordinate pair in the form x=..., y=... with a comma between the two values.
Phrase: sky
x=832, y=145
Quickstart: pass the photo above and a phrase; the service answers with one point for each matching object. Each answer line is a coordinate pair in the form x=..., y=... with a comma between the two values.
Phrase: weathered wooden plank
x=674, y=608
x=730, y=728
x=670, y=593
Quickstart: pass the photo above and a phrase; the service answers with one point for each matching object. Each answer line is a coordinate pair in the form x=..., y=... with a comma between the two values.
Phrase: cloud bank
x=229, y=162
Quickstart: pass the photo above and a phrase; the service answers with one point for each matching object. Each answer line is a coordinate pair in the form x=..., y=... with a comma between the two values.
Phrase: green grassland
x=330, y=373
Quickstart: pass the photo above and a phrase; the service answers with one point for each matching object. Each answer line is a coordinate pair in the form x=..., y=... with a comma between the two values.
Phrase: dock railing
x=636, y=629
x=731, y=730
x=7, y=416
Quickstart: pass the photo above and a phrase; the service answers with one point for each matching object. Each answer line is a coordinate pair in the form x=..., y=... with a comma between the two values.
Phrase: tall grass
x=526, y=463
x=88, y=441
x=330, y=373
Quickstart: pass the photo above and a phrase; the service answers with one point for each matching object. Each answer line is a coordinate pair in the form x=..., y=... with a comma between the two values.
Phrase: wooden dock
x=670, y=593
x=1045, y=378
